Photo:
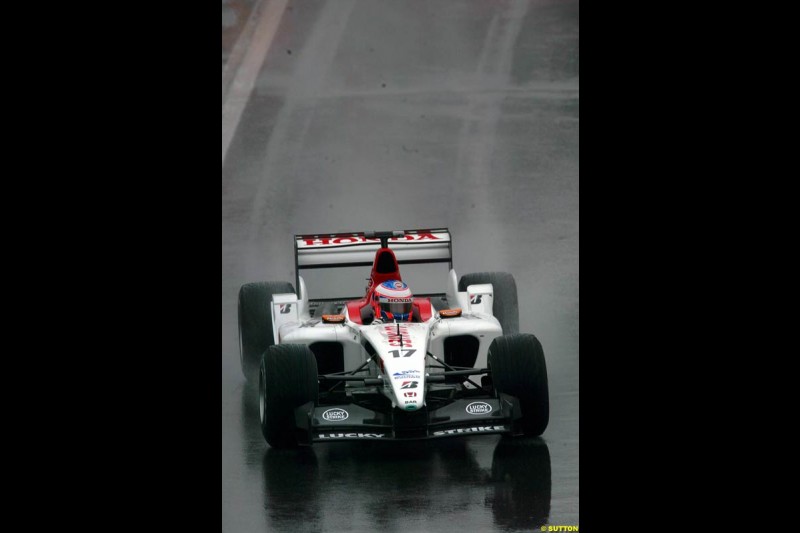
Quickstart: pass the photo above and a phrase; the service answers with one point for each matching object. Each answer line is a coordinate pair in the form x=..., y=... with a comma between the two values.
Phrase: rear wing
x=358, y=248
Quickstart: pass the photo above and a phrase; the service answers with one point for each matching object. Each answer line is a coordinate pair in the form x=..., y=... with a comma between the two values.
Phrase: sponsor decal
x=409, y=385
x=285, y=308
x=479, y=408
x=476, y=429
x=351, y=435
x=475, y=298
x=384, y=299
x=407, y=374
x=396, y=332
x=411, y=406
x=410, y=394
x=394, y=285
x=354, y=239
x=335, y=415
x=344, y=239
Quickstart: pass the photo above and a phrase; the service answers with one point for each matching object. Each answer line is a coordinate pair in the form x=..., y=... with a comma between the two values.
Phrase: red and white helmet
x=392, y=301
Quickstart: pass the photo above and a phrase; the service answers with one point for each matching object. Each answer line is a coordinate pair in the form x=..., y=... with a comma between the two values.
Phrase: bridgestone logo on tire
x=479, y=408
x=335, y=415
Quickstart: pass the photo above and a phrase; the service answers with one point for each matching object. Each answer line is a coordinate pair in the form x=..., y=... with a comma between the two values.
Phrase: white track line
x=242, y=85
x=240, y=48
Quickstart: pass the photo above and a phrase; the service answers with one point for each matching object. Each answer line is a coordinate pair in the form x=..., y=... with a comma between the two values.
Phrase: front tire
x=255, y=323
x=518, y=369
x=505, y=307
x=287, y=380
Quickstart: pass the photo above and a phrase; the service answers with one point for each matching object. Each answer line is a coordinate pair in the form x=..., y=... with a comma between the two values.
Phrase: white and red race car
x=330, y=369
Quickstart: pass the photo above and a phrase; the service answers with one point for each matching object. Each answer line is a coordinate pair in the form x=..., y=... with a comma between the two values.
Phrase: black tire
x=505, y=306
x=518, y=368
x=255, y=323
x=287, y=380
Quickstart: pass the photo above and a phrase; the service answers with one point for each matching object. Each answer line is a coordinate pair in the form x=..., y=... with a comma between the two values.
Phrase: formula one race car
x=389, y=365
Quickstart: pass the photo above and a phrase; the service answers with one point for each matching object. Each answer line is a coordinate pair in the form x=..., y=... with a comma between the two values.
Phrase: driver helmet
x=392, y=301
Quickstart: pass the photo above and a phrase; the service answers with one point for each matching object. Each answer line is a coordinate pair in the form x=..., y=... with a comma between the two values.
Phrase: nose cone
x=408, y=387
x=403, y=353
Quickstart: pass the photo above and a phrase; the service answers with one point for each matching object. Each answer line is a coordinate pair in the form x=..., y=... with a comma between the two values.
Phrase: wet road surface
x=388, y=115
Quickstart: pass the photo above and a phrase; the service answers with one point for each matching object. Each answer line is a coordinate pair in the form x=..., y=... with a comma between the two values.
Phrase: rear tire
x=287, y=380
x=505, y=306
x=255, y=323
x=518, y=369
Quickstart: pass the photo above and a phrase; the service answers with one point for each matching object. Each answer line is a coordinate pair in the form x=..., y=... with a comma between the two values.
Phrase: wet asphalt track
x=387, y=115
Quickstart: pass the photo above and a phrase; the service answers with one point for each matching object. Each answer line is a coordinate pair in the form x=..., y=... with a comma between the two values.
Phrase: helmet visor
x=396, y=306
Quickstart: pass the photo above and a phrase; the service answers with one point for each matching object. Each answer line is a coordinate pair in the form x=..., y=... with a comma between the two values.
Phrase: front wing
x=468, y=416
